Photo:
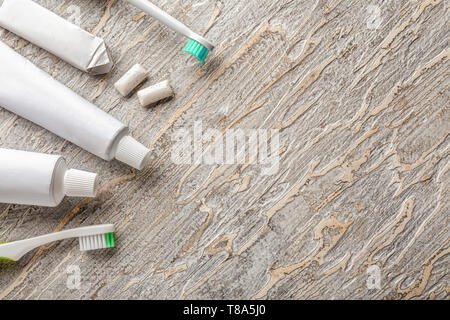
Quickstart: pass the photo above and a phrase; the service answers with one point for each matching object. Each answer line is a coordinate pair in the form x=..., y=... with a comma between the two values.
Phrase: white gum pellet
x=131, y=79
x=155, y=93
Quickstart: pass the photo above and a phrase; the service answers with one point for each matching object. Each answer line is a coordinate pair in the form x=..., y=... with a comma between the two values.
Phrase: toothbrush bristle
x=197, y=50
x=97, y=241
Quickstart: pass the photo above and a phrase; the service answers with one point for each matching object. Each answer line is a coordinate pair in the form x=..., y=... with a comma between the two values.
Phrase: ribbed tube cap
x=79, y=183
x=132, y=152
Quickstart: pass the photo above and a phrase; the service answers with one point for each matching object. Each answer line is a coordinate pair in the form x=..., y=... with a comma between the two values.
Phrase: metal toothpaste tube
x=49, y=31
x=33, y=94
x=41, y=179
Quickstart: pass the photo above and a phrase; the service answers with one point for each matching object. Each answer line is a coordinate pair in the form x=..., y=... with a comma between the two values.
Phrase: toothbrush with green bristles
x=90, y=238
x=197, y=45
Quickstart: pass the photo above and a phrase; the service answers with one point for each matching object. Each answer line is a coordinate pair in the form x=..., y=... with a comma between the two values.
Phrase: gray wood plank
x=356, y=92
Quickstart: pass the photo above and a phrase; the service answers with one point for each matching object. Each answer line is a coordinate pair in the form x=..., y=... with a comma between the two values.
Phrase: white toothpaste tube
x=155, y=93
x=41, y=179
x=58, y=36
x=34, y=95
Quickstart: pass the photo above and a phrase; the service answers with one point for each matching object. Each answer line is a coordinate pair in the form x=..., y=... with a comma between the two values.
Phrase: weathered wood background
x=359, y=93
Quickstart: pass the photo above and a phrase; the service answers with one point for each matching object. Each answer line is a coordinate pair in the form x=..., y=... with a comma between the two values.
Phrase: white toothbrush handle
x=17, y=249
x=170, y=21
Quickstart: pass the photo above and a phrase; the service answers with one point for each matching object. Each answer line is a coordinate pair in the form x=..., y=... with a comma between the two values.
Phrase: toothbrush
x=90, y=238
x=197, y=45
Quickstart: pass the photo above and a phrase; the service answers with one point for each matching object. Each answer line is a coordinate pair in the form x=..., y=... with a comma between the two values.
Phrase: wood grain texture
x=362, y=107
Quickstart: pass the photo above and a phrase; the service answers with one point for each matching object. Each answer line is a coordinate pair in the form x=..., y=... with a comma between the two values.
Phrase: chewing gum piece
x=155, y=93
x=131, y=79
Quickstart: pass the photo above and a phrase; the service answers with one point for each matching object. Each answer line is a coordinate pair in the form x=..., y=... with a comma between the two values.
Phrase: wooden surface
x=359, y=93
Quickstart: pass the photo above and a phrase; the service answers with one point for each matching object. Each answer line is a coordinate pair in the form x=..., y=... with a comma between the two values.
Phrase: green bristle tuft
x=109, y=239
x=197, y=50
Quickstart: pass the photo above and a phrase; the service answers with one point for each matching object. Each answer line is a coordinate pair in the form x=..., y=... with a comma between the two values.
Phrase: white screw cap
x=79, y=183
x=132, y=152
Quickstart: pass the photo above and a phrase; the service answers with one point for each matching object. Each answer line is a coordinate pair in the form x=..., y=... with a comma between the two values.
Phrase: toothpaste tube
x=34, y=95
x=41, y=179
x=49, y=31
